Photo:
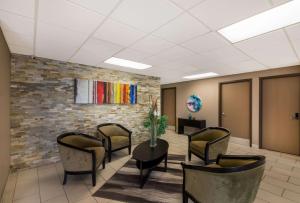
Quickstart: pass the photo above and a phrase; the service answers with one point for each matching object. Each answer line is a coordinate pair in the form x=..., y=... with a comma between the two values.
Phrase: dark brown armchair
x=232, y=179
x=80, y=154
x=115, y=137
x=208, y=143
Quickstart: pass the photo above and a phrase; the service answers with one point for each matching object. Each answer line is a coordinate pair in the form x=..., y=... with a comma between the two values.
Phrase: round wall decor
x=194, y=103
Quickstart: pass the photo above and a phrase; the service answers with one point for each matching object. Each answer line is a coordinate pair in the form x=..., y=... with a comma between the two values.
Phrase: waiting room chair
x=115, y=136
x=80, y=154
x=232, y=179
x=208, y=143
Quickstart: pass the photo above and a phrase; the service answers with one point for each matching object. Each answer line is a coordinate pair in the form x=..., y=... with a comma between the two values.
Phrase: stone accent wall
x=42, y=106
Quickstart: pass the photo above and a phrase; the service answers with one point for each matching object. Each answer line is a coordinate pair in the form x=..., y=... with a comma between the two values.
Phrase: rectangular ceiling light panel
x=126, y=63
x=273, y=19
x=201, y=75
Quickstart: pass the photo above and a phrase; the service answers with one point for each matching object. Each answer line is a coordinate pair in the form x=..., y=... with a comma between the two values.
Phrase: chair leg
x=190, y=155
x=109, y=156
x=65, y=178
x=185, y=198
x=94, y=177
x=103, y=163
x=129, y=150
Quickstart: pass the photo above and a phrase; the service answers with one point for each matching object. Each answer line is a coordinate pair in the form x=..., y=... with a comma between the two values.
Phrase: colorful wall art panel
x=98, y=92
x=194, y=103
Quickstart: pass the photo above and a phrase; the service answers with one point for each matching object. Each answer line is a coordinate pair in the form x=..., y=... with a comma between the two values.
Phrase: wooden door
x=169, y=105
x=235, y=108
x=280, y=125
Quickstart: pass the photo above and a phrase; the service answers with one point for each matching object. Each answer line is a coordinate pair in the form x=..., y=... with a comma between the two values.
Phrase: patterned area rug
x=160, y=187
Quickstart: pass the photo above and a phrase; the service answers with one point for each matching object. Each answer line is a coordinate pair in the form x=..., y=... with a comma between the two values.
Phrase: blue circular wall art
x=194, y=103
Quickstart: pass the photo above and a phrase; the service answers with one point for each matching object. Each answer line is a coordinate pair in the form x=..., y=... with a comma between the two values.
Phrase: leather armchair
x=80, y=154
x=208, y=143
x=232, y=179
x=115, y=137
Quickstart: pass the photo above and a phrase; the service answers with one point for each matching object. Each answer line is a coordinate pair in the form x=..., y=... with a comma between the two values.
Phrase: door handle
x=222, y=114
x=296, y=116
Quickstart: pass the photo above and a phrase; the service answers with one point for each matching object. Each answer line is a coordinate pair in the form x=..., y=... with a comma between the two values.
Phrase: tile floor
x=280, y=184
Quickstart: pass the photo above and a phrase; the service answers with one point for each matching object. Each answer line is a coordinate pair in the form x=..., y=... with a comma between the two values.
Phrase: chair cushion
x=100, y=153
x=213, y=166
x=235, y=162
x=198, y=147
x=119, y=141
x=113, y=130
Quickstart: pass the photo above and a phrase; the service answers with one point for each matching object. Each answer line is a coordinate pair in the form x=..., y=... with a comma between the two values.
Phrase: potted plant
x=154, y=122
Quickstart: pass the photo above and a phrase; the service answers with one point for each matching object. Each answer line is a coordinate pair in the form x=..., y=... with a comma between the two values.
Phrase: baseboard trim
x=240, y=141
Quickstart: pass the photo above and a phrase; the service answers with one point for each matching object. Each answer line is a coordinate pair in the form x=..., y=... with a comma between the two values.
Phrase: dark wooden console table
x=191, y=123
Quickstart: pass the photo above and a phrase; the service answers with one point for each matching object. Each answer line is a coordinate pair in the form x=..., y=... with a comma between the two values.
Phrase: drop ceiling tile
x=20, y=49
x=227, y=55
x=152, y=45
x=271, y=49
x=18, y=39
x=294, y=35
x=187, y=4
x=56, y=42
x=118, y=33
x=23, y=7
x=181, y=29
x=144, y=14
x=68, y=15
x=95, y=51
x=100, y=6
x=131, y=54
x=218, y=14
x=15, y=23
x=279, y=2
x=177, y=53
x=206, y=43
x=245, y=66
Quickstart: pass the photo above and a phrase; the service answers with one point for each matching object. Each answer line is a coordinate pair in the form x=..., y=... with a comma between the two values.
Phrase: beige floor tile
x=87, y=200
x=59, y=199
x=257, y=200
x=50, y=185
x=276, y=175
x=270, y=197
x=102, y=200
x=26, y=188
x=76, y=191
x=283, y=184
x=29, y=199
x=9, y=190
x=108, y=172
x=292, y=196
x=271, y=188
x=294, y=180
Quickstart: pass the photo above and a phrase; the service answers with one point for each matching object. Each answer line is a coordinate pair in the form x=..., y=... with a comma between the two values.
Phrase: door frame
x=261, y=79
x=250, y=103
x=162, y=102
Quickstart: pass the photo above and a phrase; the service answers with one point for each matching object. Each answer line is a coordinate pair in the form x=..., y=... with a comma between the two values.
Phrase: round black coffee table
x=148, y=158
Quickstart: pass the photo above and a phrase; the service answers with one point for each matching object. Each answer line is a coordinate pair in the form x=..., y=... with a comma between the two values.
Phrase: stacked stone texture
x=42, y=106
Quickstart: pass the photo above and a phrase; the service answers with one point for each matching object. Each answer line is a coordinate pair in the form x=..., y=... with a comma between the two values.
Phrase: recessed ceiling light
x=127, y=63
x=273, y=19
x=201, y=75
